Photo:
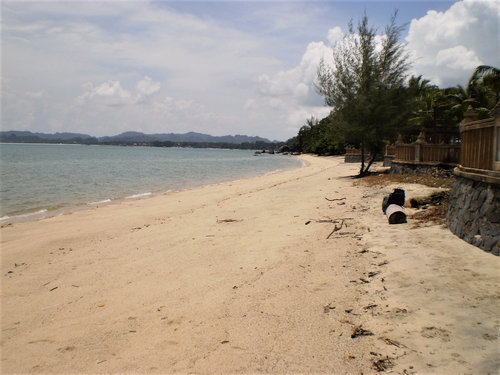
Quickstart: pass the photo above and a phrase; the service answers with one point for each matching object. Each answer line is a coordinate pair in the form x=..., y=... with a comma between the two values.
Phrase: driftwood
x=228, y=220
x=335, y=229
x=395, y=214
x=334, y=199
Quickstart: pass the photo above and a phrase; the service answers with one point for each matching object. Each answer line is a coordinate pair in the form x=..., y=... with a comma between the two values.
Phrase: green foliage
x=484, y=86
x=366, y=87
x=317, y=137
x=435, y=107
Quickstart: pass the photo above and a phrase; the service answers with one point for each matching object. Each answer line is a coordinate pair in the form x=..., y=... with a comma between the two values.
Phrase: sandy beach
x=292, y=272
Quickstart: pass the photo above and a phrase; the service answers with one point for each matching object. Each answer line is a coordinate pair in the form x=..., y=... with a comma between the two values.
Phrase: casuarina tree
x=366, y=87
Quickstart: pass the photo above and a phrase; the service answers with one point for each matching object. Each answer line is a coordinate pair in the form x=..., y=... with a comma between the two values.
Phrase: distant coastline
x=190, y=140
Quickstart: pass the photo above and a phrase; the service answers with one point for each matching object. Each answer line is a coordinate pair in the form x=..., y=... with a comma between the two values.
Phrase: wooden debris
x=54, y=288
x=335, y=199
x=345, y=321
x=328, y=307
x=358, y=331
x=383, y=364
x=370, y=307
x=336, y=229
x=228, y=220
x=308, y=222
x=392, y=342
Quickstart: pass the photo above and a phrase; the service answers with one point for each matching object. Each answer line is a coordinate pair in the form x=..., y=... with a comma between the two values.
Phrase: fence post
x=419, y=147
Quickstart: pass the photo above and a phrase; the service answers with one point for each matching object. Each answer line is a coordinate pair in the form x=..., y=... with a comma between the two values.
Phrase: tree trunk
x=371, y=162
x=362, y=170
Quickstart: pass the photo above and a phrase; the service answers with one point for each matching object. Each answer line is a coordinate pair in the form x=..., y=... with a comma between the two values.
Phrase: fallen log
x=396, y=197
x=395, y=214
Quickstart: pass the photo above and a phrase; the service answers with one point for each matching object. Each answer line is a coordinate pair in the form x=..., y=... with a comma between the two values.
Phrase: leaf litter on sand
x=383, y=364
x=358, y=331
x=382, y=179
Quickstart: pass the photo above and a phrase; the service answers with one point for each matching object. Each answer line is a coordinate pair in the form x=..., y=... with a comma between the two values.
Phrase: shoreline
x=248, y=276
x=47, y=212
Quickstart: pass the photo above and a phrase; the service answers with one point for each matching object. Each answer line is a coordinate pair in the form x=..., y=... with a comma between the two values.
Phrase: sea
x=41, y=180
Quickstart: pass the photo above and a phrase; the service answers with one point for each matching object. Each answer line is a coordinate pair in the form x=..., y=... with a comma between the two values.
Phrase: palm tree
x=484, y=85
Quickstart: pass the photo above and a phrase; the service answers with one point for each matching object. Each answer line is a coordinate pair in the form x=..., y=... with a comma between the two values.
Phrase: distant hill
x=127, y=137
x=190, y=137
x=13, y=136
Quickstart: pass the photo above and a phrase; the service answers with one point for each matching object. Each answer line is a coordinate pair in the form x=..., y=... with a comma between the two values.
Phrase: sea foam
x=136, y=196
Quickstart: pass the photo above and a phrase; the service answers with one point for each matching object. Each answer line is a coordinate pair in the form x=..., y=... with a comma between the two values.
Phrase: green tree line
x=373, y=100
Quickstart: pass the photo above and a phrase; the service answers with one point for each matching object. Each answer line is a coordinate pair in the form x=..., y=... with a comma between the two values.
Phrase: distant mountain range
x=127, y=137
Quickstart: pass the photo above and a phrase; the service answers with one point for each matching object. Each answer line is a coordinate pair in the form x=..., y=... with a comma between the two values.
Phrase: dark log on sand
x=396, y=197
x=395, y=214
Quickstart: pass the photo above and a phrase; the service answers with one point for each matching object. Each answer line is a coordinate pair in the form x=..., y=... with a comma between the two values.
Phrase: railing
x=449, y=154
x=390, y=150
x=353, y=151
x=405, y=152
x=481, y=144
x=422, y=152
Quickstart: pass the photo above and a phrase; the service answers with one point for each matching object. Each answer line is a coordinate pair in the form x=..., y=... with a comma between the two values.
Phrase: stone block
x=496, y=249
x=491, y=243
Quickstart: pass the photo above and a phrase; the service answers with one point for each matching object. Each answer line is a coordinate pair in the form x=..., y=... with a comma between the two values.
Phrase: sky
x=234, y=67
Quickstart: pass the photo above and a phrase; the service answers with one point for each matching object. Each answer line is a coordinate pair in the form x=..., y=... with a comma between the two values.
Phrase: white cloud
x=146, y=88
x=36, y=94
x=107, y=93
x=298, y=82
x=447, y=46
x=291, y=92
x=335, y=35
x=250, y=105
x=111, y=93
x=458, y=57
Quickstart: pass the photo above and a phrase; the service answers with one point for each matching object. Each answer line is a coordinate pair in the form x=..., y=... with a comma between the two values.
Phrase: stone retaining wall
x=422, y=169
x=474, y=213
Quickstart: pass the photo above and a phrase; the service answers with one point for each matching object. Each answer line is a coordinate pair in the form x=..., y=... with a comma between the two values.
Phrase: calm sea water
x=41, y=180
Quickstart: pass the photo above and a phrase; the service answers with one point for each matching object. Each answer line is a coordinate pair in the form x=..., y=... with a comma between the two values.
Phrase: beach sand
x=248, y=276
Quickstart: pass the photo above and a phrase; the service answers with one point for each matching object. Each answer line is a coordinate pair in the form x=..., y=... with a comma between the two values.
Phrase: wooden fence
x=447, y=154
x=353, y=155
x=481, y=144
x=422, y=152
x=405, y=152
